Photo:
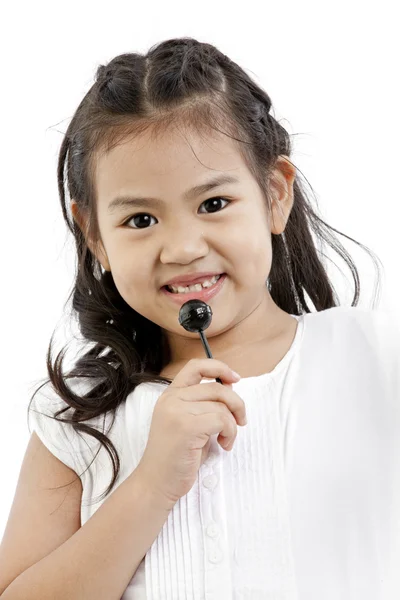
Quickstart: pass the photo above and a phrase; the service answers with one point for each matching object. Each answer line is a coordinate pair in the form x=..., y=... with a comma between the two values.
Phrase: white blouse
x=306, y=506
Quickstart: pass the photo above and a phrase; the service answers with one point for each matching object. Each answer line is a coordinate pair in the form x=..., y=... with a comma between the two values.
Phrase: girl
x=181, y=186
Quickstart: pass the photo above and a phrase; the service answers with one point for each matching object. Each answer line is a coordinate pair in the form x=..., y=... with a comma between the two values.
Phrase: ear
x=281, y=185
x=80, y=217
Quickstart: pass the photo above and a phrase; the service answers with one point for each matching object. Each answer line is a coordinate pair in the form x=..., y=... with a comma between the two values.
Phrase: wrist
x=149, y=491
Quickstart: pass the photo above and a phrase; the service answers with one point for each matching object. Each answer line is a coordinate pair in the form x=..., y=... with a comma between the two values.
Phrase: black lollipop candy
x=195, y=316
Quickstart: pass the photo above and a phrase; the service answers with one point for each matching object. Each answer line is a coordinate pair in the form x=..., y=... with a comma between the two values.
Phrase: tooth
x=195, y=287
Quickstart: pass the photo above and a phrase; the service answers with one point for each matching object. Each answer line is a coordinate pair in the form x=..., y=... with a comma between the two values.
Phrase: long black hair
x=194, y=83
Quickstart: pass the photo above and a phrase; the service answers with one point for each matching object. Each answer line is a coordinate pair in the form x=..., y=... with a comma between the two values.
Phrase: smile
x=200, y=293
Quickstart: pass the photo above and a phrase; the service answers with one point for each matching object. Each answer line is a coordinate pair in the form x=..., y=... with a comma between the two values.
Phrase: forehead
x=151, y=162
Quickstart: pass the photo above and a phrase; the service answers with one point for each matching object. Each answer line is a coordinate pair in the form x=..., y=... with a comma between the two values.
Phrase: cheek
x=250, y=247
x=132, y=277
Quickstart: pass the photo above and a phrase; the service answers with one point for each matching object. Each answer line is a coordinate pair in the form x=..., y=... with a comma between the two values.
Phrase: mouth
x=200, y=293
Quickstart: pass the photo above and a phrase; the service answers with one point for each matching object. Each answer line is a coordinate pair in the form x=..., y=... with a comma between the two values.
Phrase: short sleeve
x=385, y=335
x=59, y=438
x=381, y=331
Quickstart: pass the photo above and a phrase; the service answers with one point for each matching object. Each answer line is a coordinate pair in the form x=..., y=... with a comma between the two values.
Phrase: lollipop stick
x=207, y=349
x=205, y=344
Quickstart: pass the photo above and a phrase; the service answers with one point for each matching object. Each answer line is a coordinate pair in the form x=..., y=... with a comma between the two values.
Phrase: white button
x=212, y=530
x=215, y=555
x=210, y=481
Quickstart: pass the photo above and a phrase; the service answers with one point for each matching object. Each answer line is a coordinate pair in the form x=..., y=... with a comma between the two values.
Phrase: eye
x=215, y=202
x=144, y=218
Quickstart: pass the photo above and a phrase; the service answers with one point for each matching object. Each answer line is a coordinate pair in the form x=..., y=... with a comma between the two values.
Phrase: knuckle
x=229, y=420
x=223, y=421
x=215, y=388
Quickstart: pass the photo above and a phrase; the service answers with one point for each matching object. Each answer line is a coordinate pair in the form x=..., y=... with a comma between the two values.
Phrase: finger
x=222, y=424
x=197, y=369
x=217, y=393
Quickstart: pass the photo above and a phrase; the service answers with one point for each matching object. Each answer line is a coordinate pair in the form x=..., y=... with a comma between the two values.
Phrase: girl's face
x=178, y=232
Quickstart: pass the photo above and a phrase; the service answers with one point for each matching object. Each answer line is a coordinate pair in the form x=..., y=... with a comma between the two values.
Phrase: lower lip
x=204, y=294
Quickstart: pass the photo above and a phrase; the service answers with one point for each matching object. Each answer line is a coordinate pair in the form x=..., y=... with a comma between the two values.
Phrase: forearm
x=100, y=559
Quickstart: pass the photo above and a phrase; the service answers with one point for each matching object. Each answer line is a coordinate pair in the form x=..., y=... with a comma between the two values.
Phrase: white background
x=331, y=71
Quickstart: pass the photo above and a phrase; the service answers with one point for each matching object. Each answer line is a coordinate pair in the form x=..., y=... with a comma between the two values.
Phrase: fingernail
x=235, y=375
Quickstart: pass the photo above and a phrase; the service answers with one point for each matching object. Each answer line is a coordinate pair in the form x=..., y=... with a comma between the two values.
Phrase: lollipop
x=195, y=316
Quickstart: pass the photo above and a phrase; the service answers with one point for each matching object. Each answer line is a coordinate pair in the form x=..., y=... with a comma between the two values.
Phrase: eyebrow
x=124, y=201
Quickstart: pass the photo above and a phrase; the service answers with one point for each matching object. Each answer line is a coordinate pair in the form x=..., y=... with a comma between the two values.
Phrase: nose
x=183, y=244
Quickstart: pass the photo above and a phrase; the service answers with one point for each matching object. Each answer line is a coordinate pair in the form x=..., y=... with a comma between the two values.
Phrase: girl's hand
x=184, y=418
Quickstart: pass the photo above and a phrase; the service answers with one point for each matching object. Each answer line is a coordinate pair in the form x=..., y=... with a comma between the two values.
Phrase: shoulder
x=141, y=401
x=47, y=401
x=358, y=332
x=48, y=411
x=355, y=320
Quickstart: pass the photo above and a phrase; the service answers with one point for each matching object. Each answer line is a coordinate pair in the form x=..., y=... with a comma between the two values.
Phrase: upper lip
x=190, y=278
